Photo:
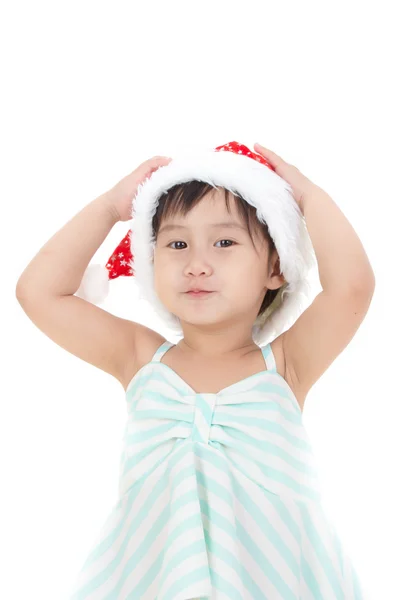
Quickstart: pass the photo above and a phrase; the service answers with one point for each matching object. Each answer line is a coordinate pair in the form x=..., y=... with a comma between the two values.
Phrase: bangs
x=180, y=199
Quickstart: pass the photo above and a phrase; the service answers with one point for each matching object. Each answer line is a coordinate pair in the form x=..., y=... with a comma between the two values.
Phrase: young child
x=219, y=492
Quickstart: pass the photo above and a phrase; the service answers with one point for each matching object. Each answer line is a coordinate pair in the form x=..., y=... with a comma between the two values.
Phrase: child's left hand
x=300, y=184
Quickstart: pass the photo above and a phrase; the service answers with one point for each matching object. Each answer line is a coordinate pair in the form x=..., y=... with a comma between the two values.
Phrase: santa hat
x=235, y=167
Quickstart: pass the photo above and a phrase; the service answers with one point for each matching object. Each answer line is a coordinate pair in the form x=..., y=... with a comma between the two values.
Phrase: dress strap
x=266, y=351
x=161, y=351
x=269, y=357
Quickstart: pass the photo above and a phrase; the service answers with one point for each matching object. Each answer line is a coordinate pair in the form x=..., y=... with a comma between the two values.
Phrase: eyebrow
x=230, y=224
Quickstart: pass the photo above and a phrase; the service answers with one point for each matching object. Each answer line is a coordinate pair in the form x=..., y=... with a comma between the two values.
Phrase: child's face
x=210, y=257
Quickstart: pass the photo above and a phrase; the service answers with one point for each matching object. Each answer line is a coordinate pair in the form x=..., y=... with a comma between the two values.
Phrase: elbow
x=365, y=287
x=21, y=292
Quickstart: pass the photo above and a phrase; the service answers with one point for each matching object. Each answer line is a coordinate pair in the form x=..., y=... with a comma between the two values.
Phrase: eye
x=179, y=242
x=231, y=242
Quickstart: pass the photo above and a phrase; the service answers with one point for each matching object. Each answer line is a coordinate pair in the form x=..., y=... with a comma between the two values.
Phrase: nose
x=198, y=264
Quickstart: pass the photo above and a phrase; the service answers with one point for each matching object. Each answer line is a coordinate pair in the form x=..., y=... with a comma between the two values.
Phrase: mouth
x=199, y=294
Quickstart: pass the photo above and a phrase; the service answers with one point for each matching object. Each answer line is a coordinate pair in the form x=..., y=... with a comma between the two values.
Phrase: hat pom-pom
x=95, y=284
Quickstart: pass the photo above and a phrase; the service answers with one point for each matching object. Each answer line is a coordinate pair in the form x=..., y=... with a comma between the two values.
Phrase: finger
x=161, y=162
x=271, y=156
x=160, y=159
x=158, y=162
x=154, y=163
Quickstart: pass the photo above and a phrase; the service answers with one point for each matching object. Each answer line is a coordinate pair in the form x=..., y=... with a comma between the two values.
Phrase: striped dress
x=218, y=499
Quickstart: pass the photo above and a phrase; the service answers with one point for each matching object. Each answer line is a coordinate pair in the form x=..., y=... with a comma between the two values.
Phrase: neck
x=221, y=345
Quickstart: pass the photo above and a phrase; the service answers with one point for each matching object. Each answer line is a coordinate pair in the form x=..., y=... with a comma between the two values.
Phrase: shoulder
x=144, y=342
x=322, y=332
x=149, y=343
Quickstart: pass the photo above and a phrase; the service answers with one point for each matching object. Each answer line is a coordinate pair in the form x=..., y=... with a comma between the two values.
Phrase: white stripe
x=250, y=524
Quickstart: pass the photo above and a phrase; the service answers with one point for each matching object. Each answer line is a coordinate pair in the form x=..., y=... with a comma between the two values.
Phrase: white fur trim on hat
x=95, y=284
x=259, y=186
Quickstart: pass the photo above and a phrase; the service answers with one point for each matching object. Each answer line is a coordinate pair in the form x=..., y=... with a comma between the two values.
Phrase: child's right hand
x=122, y=194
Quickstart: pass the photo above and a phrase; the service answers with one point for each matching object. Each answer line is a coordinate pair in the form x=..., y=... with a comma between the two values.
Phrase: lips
x=199, y=293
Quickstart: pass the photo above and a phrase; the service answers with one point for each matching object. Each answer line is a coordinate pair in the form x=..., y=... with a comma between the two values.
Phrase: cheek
x=161, y=288
x=248, y=279
x=163, y=281
x=161, y=260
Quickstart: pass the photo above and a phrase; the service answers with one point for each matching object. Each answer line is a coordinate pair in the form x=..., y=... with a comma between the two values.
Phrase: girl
x=219, y=492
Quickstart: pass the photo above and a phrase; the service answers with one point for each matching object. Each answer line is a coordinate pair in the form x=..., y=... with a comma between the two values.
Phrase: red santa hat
x=238, y=169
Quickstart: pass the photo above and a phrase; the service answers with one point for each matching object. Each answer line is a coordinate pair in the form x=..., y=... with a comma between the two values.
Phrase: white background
x=91, y=90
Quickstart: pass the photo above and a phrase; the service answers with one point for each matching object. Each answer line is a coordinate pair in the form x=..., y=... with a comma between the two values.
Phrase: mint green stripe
x=321, y=552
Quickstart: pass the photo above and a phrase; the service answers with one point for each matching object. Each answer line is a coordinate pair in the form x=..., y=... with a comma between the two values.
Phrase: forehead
x=232, y=225
x=209, y=210
x=213, y=204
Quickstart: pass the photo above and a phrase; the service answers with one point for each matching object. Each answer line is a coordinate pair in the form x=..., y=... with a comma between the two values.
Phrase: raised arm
x=46, y=288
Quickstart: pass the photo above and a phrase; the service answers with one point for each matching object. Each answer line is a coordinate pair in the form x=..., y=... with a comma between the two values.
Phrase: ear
x=275, y=279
